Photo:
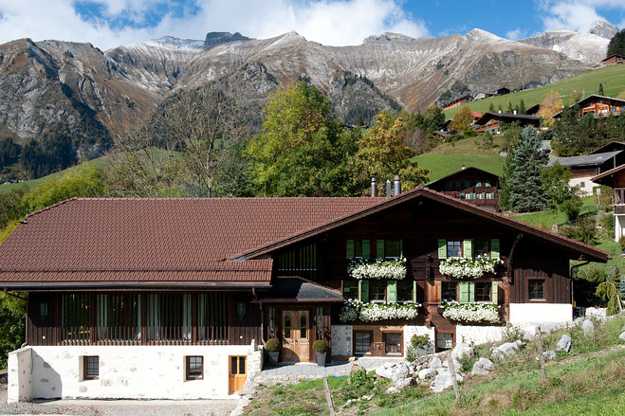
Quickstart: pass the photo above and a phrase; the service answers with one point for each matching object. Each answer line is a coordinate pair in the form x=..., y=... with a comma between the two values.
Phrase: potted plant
x=321, y=348
x=272, y=346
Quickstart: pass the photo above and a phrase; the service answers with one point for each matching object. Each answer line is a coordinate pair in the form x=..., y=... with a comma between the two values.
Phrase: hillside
x=450, y=157
x=612, y=78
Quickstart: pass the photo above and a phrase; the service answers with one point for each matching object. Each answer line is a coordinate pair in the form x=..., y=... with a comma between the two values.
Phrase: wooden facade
x=473, y=185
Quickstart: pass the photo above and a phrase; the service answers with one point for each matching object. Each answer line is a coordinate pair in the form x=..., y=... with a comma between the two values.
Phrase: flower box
x=355, y=310
x=473, y=312
x=380, y=269
x=466, y=268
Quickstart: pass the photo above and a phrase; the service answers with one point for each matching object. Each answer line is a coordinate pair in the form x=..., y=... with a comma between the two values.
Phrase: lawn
x=612, y=78
x=450, y=157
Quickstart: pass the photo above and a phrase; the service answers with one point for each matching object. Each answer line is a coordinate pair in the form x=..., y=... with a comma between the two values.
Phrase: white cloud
x=577, y=15
x=332, y=22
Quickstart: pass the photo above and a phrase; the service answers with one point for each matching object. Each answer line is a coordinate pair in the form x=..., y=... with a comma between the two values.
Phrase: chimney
x=396, y=185
x=388, y=189
x=373, y=187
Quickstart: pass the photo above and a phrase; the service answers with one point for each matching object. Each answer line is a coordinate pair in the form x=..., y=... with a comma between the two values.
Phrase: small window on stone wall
x=194, y=367
x=90, y=367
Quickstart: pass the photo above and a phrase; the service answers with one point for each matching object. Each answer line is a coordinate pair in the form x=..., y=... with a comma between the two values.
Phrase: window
x=392, y=249
x=303, y=324
x=350, y=289
x=194, y=367
x=481, y=247
x=377, y=290
x=483, y=291
x=487, y=184
x=444, y=340
x=449, y=291
x=490, y=195
x=405, y=290
x=75, y=316
x=286, y=325
x=237, y=365
x=536, y=289
x=362, y=342
x=90, y=367
x=392, y=343
x=454, y=248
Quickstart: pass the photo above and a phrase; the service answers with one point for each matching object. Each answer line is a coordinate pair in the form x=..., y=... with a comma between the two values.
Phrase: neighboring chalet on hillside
x=585, y=167
x=615, y=179
x=492, y=122
x=174, y=298
x=598, y=106
x=473, y=185
x=457, y=102
x=614, y=59
x=613, y=146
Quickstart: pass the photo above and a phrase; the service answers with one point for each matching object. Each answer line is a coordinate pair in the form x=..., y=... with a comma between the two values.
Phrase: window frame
x=86, y=373
x=345, y=292
x=400, y=344
x=486, y=289
x=534, y=280
x=355, y=334
x=376, y=283
x=192, y=374
x=387, y=249
x=460, y=246
x=408, y=282
x=455, y=285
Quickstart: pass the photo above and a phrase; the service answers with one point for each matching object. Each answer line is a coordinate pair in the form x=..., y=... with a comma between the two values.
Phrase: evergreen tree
x=617, y=44
x=510, y=109
x=523, y=189
x=601, y=91
x=491, y=108
x=522, y=108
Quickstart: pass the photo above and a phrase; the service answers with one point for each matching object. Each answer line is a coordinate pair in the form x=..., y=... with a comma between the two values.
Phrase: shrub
x=572, y=208
x=272, y=345
x=512, y=333
x=584, y=230
x=321, y=345
x=419, y=345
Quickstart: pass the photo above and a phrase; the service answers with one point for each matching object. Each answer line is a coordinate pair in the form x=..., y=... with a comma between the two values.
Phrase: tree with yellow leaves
x=550, y=106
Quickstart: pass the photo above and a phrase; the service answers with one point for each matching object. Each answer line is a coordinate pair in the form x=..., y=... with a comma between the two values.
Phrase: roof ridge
x=220, y=198
x=49, y=207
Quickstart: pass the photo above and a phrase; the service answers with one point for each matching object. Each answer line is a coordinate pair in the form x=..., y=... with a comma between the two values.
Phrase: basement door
x=296, y=336
x=237, y=374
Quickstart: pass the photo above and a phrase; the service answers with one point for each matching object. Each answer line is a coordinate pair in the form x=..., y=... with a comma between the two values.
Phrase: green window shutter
x=379, y=249
x=391, y=291
x=366, y=249
x=494, y=248
x=363, y=290
x=350, y=249
x=467, y=291
x=494, y=293
x=467, y=249
x=442, y=249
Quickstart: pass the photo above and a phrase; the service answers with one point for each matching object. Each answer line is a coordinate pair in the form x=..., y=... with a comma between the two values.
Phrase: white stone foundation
x=342, y=340
x=479, y=334
x=522, y=314
x=126, y=372
x=410, y=330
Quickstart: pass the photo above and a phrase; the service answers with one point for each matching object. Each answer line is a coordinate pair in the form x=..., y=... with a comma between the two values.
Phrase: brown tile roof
x=167, y=239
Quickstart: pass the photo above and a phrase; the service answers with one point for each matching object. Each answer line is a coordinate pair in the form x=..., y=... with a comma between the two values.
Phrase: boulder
x=482, y=367
x=564, y=344
x=622, y=336
x=436, y=363
x=394, y=371
x=443, y=381
x=588, y=327
x=426, y=374
x=506, y=350
x=461, y=351
x=549, y=355
x=402, y=383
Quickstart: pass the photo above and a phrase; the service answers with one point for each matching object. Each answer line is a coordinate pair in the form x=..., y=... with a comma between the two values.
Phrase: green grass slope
x=612, y=78
x=450, y=157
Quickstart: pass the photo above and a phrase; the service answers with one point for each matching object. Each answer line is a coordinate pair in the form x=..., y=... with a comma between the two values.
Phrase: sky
x=110, y=23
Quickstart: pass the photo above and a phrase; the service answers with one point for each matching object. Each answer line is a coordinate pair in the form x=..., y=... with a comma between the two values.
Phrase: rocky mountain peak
x=388, y=37
x=219, y=38
x=604, y=29
x=480, y=35
x=172, y=42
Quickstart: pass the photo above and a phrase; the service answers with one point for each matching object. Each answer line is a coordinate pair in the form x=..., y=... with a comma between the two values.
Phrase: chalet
x=614, y=59
x=174, y=298
x=615, y=179
x=493, y=122
x=503, y=91
x=473, y=185
x=598, y=106
x=457, y=102
x=612, y=146
x=533, y=110
x=585, y=167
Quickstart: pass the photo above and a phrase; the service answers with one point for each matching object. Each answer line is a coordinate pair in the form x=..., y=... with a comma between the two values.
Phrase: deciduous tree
x=550, y=106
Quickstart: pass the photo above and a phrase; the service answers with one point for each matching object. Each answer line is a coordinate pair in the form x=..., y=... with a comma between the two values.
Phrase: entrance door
x=237, y=374
x=296, y=336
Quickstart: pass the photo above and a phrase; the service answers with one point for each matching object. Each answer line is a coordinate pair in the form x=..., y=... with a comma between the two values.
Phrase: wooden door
x=237, y=373
x=296, y=336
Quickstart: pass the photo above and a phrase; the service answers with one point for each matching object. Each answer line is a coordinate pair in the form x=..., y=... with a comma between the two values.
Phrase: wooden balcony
x=619, y=201
x=489, y=203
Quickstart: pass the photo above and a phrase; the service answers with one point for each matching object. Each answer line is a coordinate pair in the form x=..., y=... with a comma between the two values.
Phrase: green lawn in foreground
x=612, y=78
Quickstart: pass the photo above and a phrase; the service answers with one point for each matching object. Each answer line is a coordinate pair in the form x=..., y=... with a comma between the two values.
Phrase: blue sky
x=108, y=23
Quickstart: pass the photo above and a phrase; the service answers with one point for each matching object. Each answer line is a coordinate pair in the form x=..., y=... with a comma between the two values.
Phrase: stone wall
x=134, y=372
x=410, y=330
x=20, y=370
x=544, y=314
x=479, y=334
x=342, y=340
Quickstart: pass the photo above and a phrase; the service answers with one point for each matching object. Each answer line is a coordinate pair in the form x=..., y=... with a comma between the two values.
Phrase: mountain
x=589, y=48
x=98, y=95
